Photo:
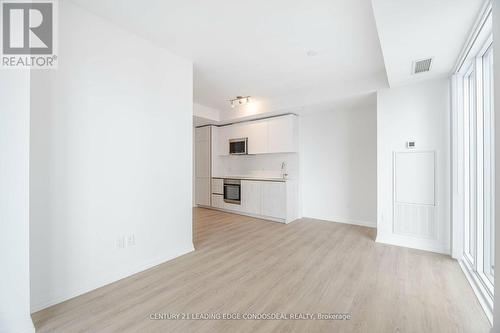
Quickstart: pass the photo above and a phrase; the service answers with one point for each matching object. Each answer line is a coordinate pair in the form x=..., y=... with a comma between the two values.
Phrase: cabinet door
x=224, y=133
x=202, y=165
x=274, y=199
x=202, y=152
x=214, y=144
x=202, y=191
x=232, y=206
x=217, y=201
x=202, y=133
x=257, y=134
x=282, y=134
x=217, y=186
x=202, y=159
x=251, y=193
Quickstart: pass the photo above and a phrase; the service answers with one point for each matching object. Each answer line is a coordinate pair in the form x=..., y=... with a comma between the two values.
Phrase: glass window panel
x=469, y=167
x=488, y=169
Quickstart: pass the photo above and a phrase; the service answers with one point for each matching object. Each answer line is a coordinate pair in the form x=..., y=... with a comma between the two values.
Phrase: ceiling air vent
x=422, y=66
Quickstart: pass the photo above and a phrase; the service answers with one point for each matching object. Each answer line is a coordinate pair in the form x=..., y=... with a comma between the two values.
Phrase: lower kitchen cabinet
x=217, y=186
x=232, y=206
x=217, y=201
x=268, y=199
x=251, y=193
x=273, y=199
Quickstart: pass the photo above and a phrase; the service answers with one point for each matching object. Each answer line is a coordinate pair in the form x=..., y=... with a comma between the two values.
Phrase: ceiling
x=413, y=30
x=292, y=54
x=202, y=117
x=284, y=53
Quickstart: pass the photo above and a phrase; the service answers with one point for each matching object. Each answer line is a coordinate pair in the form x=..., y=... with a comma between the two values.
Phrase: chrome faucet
x=284, y=173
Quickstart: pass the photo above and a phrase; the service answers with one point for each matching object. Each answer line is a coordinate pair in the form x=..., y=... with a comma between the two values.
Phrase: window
x=488, y=167
x=469, y=102
x=478, y=168
x=475, y=174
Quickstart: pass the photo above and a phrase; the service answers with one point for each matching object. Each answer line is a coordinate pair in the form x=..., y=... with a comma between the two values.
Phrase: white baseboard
x=203, y=206
x=110, y=279
x=246, y=214
x=413, y=243
x=369, y=224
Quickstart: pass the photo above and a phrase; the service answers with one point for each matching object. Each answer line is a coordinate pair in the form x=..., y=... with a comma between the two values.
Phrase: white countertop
x=270, y=179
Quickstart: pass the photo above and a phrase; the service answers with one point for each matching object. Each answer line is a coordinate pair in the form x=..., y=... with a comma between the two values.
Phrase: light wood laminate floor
x=247, y=265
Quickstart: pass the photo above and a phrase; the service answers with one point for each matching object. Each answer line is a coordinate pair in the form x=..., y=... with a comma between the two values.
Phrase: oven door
x=232, y=193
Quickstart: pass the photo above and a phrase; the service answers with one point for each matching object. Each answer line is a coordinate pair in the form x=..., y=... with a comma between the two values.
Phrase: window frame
x=473, y=95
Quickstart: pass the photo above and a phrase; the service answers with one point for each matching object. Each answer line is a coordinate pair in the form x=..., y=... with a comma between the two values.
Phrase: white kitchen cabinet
x=251, y=193
x=282, y=134
x=202, y=187
x=272, y=135
x=232, y=206
x=217, y=201
x=217, y=186
x=214, y=140
x=273, y=200
x=224, y=133
x=202, y=133
x=218, y=163
x=202, y=161
x=256, y=132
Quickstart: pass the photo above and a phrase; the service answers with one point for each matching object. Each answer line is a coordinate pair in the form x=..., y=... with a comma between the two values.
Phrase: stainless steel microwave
x=238, y=146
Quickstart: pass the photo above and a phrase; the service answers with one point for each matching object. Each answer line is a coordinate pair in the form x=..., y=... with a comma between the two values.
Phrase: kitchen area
x=249, y=168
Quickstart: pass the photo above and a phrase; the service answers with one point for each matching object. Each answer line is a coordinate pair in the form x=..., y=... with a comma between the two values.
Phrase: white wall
x=418, y=112
x=338, y=161
x=111, y=157
x=14, y=202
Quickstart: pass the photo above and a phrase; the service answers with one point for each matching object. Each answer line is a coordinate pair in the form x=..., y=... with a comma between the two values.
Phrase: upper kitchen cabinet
x=282, y=134
x=225, y=133
x=271, y=135
x=257, y=134
x=214, y=144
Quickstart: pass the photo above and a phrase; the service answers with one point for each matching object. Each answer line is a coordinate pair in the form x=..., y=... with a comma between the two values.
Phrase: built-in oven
x=232, y=191
x=238, y=146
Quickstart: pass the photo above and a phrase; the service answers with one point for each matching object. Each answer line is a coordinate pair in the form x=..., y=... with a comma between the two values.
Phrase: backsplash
x=262, y=165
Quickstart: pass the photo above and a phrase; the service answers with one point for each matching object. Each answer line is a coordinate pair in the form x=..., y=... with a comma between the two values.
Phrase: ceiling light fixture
x=240, y=100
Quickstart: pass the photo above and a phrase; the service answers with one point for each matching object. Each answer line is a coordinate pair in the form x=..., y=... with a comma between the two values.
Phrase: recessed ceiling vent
x=422, y=66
